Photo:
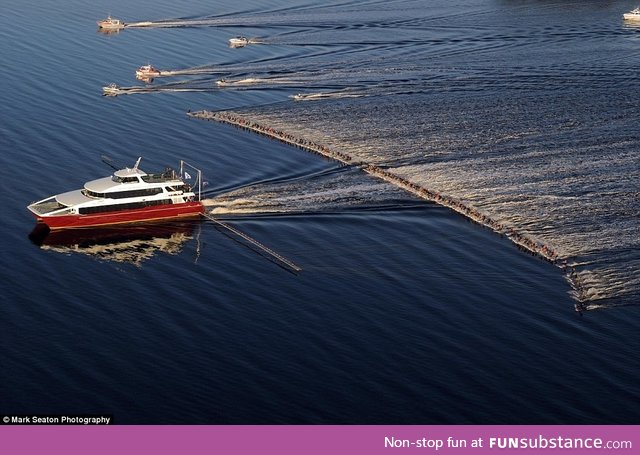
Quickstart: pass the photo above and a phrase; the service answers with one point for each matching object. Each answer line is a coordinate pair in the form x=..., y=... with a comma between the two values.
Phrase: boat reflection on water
x=631, y=25
x=106, y=31
x=146, y=80
x=131, y=243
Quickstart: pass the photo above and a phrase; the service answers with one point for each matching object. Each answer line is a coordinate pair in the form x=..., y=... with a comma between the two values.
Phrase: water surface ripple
x=405, y=312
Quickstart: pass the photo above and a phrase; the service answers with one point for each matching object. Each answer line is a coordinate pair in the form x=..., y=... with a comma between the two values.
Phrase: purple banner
x=321, y=439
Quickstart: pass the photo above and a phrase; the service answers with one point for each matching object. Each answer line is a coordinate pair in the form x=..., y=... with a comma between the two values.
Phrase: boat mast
x=198, y=176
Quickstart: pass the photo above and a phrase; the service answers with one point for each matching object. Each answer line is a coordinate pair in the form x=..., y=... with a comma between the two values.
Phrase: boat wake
x=198, y=71
x=327, y=95
x=228, y=205
x=471, y=120
x=182, y=86
x=257, y=80
x=208, y=85
x=337, y=189
x=176, y=23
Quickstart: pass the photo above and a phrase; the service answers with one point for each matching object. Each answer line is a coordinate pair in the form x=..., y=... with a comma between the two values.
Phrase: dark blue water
x=404, y=312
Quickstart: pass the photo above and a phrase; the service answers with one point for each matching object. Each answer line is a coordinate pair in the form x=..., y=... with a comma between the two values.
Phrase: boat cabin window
x=117, y=179
x=119, y=207
x=168, y=174
x=123, y=194
x=134, y=193
x=171, y=189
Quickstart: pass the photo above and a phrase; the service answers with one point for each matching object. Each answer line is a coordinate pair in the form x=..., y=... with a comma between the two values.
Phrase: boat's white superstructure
x=147, y=72
x=633, y=15
x=238, y=41
x=111, y=23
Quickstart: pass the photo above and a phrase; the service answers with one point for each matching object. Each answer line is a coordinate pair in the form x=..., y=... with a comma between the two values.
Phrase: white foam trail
x=301, y=197
x=223, y=203
x=259, y=80
x=243, y=211
x=191, y=72
x=175, y=23
x=325, y=95
x=114, y=90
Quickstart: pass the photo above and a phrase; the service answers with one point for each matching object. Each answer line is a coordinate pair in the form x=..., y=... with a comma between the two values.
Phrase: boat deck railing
x=167, y=176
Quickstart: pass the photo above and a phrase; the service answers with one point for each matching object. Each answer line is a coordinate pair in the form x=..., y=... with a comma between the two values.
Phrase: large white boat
x=111, y=24
x=633, y=15
x=128, y=196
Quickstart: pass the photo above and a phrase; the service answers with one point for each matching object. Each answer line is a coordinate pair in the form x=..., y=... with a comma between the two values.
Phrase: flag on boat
x=186, y=175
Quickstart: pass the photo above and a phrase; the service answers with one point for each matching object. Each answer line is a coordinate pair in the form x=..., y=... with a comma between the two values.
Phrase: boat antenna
x=108, y=161
x=135, y=166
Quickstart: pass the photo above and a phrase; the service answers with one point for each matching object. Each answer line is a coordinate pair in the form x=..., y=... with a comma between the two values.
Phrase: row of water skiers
x=272, y=132
x=470, y=212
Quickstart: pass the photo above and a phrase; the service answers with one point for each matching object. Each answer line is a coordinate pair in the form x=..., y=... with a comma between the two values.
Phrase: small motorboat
x=221, y=82
x=633, y=15
x=325, y=95
x=111, y=24
x=111, y=90
x=238, y=41
x=310, y=96
x=146, y=72
x=127, y=196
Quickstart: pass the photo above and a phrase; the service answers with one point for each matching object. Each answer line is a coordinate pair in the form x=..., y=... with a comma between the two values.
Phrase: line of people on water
x=242, y=122
x=472, y=213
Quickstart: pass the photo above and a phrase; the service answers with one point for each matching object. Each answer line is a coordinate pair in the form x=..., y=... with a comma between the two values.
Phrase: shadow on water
x=131, y=244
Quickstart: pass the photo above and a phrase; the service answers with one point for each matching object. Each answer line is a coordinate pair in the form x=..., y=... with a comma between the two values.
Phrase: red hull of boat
x=153, y=213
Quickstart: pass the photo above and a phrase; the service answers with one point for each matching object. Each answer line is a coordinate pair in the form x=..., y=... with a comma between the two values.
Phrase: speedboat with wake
x=130, y=195
x=111, y=90
x=238, y=41
x=111, y=23
x=325, y=95
x=146, y=72
x=310, y=96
